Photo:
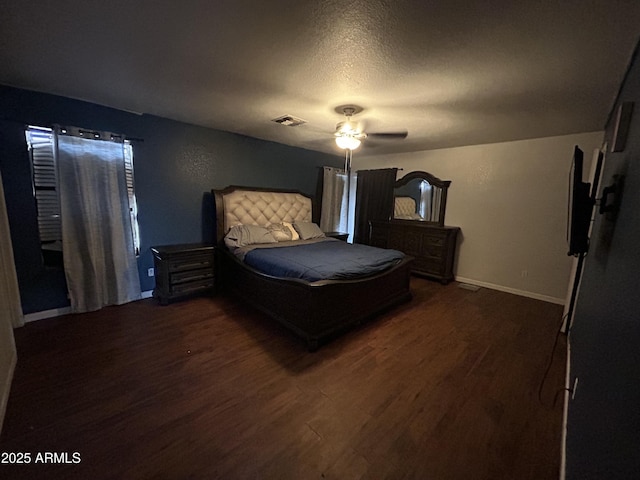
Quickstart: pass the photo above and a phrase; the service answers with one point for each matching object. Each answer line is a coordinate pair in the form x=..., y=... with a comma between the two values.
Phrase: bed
x=315, y=310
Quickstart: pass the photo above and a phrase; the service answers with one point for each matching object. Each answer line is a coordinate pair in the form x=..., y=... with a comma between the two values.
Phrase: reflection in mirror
x=417, y=200
x=420, y=196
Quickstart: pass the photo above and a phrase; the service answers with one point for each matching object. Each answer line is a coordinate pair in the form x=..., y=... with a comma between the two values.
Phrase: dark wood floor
x=444, y=387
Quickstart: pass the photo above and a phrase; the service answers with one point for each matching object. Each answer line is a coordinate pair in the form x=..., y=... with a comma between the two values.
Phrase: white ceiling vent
x=289, y=121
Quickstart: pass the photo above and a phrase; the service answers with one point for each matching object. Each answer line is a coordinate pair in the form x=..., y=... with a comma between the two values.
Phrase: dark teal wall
x=603, y=434
x=176, y=166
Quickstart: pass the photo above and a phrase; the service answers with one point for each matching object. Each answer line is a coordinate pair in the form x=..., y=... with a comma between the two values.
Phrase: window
x=40, y=142
x=43, y=170
x=133, y=206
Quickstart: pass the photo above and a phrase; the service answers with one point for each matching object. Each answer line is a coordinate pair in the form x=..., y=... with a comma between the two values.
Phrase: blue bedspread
x=327, y=260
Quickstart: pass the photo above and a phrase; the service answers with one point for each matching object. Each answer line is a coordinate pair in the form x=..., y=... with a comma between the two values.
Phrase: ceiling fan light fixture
x=347, y=128
x=347, y=142
x=349, y=134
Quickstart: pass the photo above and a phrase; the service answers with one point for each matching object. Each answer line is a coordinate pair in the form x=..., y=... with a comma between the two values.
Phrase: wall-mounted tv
x=581, y=202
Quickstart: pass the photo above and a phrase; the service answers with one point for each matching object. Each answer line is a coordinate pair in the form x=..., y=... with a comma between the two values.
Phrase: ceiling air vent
x=289, y=121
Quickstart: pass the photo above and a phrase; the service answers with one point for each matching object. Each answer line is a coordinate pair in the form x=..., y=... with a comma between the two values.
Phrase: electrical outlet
x=151, y=272
x=524, y=274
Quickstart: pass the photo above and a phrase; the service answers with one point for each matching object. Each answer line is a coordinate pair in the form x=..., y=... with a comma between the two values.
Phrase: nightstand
x=339, y=235
x=183, y=270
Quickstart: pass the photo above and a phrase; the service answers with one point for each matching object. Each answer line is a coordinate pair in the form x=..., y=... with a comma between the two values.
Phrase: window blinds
x=40, y=142
x=133, y=206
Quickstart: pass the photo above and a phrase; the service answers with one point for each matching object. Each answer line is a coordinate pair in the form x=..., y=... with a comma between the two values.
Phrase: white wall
x=510, y=200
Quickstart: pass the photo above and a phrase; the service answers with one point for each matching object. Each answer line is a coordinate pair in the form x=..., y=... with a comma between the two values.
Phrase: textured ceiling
x=451, y=73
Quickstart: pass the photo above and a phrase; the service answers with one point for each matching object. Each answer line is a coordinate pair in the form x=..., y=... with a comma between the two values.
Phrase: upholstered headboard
x=404, y=206
x=237, y=205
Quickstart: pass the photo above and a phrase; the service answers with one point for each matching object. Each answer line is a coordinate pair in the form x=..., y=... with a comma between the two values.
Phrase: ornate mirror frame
x=434, y=182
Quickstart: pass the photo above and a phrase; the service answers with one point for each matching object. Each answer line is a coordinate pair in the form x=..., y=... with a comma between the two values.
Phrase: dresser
x=183, y=270
x=432, y=246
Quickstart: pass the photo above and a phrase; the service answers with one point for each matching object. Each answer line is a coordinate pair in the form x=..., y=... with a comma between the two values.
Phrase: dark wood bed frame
x=315, y=311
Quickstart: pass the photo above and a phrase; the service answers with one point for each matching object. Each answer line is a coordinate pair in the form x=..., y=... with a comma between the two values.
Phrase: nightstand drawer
x=190, y=262
x=192, y=287
x=191, y=275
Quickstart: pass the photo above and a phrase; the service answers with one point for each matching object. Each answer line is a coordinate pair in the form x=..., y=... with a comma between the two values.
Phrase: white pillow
x=294, y=234
x=242, y=235
x=280, y=232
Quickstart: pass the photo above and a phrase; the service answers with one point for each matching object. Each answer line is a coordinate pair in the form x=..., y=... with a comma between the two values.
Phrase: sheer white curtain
x=9, y=292
x=435, y=203
x=425, y=200
x=97, y=239
x=10, y=310
x=334, y=200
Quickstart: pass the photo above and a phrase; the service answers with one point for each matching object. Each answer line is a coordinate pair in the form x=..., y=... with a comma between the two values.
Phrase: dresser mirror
x=420, y=197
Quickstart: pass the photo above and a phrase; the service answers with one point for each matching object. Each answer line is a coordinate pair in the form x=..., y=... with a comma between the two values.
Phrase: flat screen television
x=581, y=202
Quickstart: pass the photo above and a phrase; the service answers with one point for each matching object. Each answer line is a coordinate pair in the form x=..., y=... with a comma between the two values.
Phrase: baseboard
x=515, y=291
x=54, y=312
x=6, y=388
x=57, y=312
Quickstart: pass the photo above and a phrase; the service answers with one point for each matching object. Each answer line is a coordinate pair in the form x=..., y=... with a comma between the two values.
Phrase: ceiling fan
x=349, y=134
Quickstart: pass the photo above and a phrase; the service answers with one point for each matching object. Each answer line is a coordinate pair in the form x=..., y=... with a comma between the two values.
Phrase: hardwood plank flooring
x=443, y=387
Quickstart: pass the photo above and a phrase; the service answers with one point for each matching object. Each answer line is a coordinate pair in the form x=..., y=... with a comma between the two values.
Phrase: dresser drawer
x=433, y=240
x=427, y=266
x=436, y=252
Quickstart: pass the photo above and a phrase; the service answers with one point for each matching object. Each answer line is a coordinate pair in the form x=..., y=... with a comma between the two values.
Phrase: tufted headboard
x=404, y=206
x=237, y=205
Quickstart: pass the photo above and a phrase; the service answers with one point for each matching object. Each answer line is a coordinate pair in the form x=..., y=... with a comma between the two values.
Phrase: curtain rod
x=91, y=132
x=95, y=134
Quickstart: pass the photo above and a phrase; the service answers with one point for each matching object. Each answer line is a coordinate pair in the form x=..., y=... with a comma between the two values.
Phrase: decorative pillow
x=308, y=230
x=280, y=232
x=294, y=234
x=242, y=235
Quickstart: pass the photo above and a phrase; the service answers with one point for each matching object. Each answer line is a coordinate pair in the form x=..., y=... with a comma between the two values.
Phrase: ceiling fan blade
x=388, y=135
